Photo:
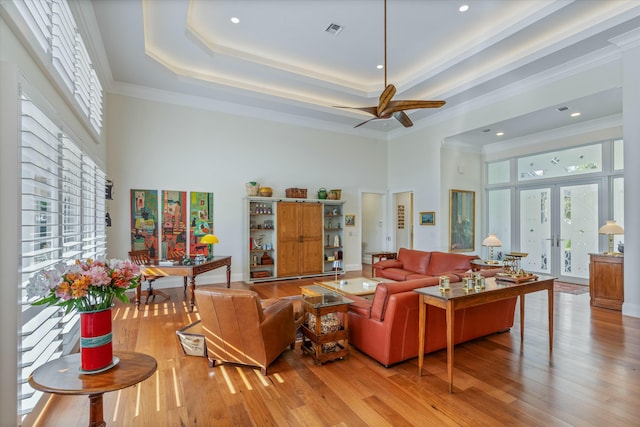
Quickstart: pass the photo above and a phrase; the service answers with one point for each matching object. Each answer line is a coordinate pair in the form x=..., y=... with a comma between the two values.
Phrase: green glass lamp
x=210, y=240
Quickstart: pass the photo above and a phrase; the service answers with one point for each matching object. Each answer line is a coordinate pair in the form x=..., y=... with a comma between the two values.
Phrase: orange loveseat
x=415, y=264
x=386, y=327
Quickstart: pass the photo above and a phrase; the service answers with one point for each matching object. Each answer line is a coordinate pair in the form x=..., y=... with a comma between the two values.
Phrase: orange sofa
x=386, y=327
x=415, y=264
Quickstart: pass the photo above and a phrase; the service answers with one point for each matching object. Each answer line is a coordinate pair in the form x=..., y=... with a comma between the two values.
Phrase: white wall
x=154, y=145
x=372, y=222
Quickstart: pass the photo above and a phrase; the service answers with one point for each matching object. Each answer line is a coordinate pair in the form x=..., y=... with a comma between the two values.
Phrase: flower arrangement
x=88, y=285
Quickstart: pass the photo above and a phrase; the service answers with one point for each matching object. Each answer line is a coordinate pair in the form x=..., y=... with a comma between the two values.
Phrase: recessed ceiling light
x=463, y=8
x=379, y=66
x=499, y=133
x=576, y=114
x=334, y=29
x=235, y=20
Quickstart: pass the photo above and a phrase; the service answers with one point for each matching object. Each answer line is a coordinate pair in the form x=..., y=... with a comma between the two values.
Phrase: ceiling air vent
x=334, y=29
x=562, y=109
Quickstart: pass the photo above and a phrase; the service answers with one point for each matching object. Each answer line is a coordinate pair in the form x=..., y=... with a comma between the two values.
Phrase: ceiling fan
x=387, y=108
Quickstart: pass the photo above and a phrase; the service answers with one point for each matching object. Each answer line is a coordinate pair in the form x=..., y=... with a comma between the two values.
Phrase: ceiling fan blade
x=371, y=110
x=365, y=122
x=385, y=98
x=394, y=106
x=402, y=117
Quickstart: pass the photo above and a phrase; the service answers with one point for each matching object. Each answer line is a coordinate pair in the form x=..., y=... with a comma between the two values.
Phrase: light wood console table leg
x=421, y=332
x=550, y=301
x=450, y=328
x=521, y=319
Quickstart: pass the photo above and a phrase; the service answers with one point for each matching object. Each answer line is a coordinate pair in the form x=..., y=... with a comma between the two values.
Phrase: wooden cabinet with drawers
x=606, y=280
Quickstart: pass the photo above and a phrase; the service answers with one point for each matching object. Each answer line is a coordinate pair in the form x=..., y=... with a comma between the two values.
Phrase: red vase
x=96, y=350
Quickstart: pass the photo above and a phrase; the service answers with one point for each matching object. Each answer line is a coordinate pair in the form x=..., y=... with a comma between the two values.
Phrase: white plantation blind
x=37, y=15
x=56, y=32
x=63, y=213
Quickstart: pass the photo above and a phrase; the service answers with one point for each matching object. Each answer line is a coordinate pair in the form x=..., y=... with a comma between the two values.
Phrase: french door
x=558, y=228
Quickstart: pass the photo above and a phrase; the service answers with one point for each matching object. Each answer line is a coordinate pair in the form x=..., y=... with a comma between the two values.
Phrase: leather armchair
x=238, y=330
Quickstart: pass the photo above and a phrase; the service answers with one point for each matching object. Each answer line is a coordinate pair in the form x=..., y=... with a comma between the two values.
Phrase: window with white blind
x=56, y=32
x=63, y=218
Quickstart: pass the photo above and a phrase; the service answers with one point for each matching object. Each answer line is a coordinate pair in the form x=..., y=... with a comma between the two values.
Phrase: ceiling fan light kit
x=387, y=108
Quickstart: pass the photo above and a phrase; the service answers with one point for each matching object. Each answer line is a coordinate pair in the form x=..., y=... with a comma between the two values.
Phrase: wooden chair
x=141, y=257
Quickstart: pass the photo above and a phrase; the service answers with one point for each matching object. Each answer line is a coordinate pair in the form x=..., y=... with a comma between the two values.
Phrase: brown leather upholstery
x=238, y=330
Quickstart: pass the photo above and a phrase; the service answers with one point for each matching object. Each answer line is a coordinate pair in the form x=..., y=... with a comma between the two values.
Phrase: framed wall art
x=400, y=217
x=350, y=220
x=144, y=221
x=462, y=210
x=427, y=218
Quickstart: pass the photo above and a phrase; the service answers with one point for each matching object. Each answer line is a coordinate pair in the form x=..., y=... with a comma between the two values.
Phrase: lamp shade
x=491, y=240
x=611, y=228
x=209, y=239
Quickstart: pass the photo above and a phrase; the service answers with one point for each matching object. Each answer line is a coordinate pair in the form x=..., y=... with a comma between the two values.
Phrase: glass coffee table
x=355, y=286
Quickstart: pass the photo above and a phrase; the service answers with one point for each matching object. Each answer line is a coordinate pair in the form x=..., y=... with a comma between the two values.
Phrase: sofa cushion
x=414, y=260
x=445, y=262
x=388, y=263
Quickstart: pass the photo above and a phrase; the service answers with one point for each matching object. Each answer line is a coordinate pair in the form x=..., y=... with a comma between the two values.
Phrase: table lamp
x=210, y=240
x=337, y=265
x=491, y=241
x=610, y=228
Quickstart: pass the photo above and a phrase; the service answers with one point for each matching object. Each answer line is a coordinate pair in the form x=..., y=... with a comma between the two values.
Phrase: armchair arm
x=388, y=263
x=360, y=305
x=278, y=327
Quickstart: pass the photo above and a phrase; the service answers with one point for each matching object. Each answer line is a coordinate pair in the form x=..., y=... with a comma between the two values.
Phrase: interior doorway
x=373, y=225
x=403, y=220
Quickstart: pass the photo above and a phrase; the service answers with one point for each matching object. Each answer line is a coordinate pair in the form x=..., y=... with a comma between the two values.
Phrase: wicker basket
x=296, y=193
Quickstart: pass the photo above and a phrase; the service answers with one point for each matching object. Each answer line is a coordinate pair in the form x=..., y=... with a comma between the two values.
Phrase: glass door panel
x=578, y=230
x=535, y=229
x=558, y=229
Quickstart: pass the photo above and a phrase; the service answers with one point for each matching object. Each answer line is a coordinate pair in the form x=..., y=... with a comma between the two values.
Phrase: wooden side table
x=480, y=264
x=378, y=256
x=187, y=272
x=606, y=280
x=319, y=301
x=61, y=376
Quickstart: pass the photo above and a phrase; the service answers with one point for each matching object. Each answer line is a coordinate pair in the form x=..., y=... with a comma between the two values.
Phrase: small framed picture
x=350, y=220
x=427, y=218
x=192, y=343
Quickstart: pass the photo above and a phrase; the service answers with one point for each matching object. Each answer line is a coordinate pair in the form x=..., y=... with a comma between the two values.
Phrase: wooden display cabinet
x=298, y=237
x=261, y=239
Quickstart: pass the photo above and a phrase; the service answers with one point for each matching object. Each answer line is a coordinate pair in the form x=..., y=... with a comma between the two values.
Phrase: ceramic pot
x=253, y=188
x=322, y=193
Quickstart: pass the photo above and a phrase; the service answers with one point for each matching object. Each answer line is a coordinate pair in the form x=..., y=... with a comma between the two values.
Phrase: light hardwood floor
x=591, y=379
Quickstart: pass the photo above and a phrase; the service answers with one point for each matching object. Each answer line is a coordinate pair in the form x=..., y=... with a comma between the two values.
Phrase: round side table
x=62, y=376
